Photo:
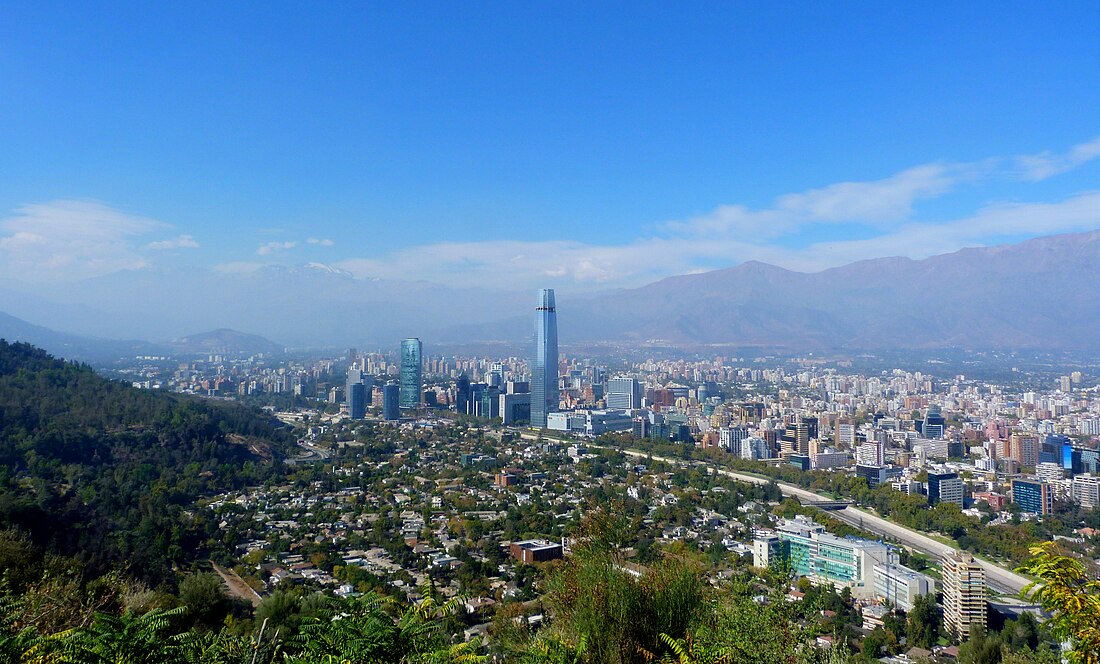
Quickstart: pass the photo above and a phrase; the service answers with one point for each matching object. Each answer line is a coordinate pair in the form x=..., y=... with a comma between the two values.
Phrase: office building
x=830, y=459
x=489, y=406
x=877, y=475
x=1032, y=496
x=462, y=395
x=515, y=408
x=900, y=586
x=822, y=557
x=1084, y=460
x=391, y=401
x=963, y=594
x=753, y=447
x=602, y=421
x=934, y=424
x=767, y=549
x=945, y=487
x=845, y=434
x=729, y=438
x=623, y=393
x=411, y=373
x=544, y=361
x=356, y=394
x=1053, y=449
x=795, y=438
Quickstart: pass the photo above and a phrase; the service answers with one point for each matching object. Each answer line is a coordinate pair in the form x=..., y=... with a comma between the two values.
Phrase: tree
x=980, y=648
x=924, y=622
x=205, y=599
x=129, y=639
x=1070, y=596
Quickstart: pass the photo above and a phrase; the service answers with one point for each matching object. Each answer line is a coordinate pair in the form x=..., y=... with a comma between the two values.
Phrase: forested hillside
x=99, y=470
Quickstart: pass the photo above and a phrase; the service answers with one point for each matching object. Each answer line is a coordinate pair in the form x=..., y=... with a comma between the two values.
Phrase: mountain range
x=1041, y=293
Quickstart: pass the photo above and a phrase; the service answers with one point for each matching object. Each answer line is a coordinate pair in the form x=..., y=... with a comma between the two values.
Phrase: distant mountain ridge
x=225, y=341
x=71, y=346
x=1043, y=292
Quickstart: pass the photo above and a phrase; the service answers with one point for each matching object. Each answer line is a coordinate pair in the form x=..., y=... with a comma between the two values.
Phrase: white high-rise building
x=1085, y=491
x=870, y=454
x=963, y=594
x=753, y=447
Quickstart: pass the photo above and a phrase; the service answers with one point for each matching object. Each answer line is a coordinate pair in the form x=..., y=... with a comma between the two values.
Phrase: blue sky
x=570, y=145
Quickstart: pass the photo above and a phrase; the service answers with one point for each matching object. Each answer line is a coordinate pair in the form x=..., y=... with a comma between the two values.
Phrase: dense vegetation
x=597, y=609
x=99, y=470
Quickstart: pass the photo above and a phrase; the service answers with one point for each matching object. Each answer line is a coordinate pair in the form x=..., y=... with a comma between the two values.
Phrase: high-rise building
x=945, y=487
x=356, y=395
x=544, y=361
x=933, y=424
x=1033, y=496
x=1085, y=491
x=391, y=401
x=1053, y=449
x=623, y=393
x=845, y=434
x=462, y=395
x=1024, y=448
x=411, y=372
x=963, y=594
x=870, y=454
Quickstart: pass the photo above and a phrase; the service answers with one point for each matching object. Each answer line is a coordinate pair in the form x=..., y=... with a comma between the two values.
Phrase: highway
x=997, y=578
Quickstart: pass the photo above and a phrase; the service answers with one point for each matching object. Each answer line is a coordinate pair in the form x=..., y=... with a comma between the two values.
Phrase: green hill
x=96, y=469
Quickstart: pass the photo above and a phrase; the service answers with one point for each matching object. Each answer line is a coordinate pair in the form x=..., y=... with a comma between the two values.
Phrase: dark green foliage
x=923, y=627
x=980, y=648
x=100, y=470
x=205, y=599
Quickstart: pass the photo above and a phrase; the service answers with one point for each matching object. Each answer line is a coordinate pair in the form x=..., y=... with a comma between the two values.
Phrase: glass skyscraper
x=544, y=361
x=411, y=372
x=356, y=395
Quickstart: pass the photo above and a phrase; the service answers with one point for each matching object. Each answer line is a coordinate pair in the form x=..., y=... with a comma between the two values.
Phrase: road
x=997, y=578
x=236, y=585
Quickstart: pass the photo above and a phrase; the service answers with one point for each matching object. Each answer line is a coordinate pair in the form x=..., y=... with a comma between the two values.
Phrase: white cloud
x=268, y=248
x=571, y=264
x=1047, y=164
x=179, y=242
x=71, y=239
x=324, y=242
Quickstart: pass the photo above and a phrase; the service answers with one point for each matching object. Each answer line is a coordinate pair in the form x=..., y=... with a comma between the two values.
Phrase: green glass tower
x=411, y=372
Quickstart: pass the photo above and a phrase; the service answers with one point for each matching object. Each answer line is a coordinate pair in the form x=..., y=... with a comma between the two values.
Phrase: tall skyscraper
x=462, y=395
x=411, y=372
x=544, y=361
